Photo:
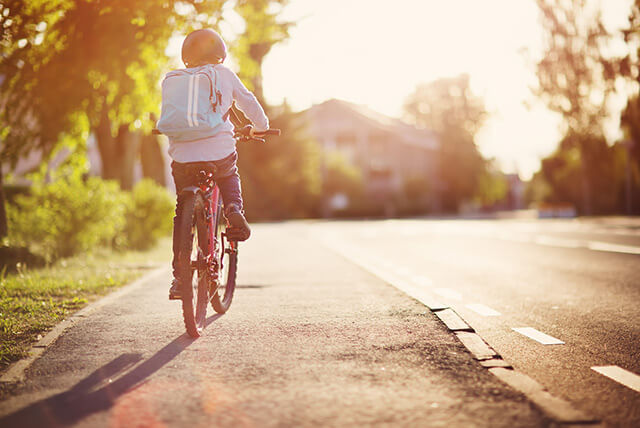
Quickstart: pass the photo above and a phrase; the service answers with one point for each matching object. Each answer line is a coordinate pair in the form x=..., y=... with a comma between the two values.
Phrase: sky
x=375, y=52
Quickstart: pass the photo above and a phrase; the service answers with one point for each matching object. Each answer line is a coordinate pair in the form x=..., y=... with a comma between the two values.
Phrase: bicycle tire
x=222, y=291
x=192, y=270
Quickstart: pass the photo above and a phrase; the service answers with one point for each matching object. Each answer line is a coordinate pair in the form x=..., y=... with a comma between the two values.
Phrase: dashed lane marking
x=422, y=280
x=483, y=310
x=401, y=270
x=448, y=293
x=615, y=248
x=538, y=336
x=552, y=241
x=620, y=375
x=555, y=407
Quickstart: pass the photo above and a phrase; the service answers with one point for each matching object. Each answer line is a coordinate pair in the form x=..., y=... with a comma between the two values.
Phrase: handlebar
x=242, y=134
x=245, y=132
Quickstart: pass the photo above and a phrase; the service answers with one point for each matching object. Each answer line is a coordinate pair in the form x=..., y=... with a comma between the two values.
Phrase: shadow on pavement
x=82, y=400
x=252, y=286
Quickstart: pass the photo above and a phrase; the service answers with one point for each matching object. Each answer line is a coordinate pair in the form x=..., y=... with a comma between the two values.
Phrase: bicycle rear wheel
x=192, y=267
x=222, y=290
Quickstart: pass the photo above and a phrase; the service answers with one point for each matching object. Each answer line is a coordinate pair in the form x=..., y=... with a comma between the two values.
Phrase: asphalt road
x=311, y=340
x=575, y=281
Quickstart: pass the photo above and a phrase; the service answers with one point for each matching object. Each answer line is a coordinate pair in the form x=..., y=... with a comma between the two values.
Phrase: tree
x=281, y=179
x=561, y=176
x=493, y=186
x=70, y=67
x=103, y=59
x=575, y=79
x=629, y=66
x=262, y=31
x=448, y=107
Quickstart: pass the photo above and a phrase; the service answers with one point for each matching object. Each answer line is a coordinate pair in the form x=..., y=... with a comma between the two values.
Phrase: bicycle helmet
x=203, y=47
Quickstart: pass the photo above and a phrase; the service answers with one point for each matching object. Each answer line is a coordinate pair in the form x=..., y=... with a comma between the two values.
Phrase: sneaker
x=174, y=291
x=239, y=229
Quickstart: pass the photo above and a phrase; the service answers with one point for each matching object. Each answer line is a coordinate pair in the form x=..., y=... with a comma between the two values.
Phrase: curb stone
x=561, y=411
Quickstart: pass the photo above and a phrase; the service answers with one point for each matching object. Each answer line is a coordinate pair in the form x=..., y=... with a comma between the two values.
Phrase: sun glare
x=375, y=53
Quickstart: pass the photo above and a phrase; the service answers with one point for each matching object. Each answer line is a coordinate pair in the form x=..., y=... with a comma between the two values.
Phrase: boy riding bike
x=206, y=140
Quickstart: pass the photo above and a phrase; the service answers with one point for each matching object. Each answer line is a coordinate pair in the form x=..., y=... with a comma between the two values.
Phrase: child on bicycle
x=217, y=152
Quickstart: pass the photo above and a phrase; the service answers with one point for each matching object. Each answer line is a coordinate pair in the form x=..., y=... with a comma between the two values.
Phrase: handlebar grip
x=267, y=132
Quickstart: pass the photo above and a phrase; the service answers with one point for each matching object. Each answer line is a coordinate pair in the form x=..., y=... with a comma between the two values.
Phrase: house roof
x=404, y=132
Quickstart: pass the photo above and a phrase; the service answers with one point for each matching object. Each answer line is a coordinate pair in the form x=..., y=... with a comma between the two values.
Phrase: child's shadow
x=69, y=407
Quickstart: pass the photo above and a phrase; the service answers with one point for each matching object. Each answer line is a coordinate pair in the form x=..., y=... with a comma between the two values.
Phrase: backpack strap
x=214, y=84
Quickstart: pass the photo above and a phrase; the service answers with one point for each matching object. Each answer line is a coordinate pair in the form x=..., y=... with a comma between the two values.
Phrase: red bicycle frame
x=210, y=188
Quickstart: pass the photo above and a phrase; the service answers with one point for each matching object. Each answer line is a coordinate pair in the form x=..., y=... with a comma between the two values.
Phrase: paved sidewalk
x=310, y=340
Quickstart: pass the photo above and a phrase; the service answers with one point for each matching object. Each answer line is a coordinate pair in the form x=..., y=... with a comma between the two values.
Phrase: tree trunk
x=128, y=145
x=119, y=153
x=152, y=158
x=586, y=192
x=106, y=146
x=4, y=230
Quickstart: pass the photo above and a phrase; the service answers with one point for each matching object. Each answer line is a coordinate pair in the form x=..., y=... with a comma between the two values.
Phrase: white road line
x=620, y=375
x=422, y=280
x=556, y=242
x=387, y=264
x=512, y=237
x=551, y=241
x=401, y=270
x=483, y=310
x=538, y=336
x=615, y=248
x=448, y=293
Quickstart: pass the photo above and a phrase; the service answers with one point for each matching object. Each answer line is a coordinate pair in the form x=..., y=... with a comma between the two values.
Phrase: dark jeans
x=227, y=179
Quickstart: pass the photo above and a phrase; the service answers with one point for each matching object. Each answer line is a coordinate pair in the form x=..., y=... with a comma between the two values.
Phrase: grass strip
x=32, y=301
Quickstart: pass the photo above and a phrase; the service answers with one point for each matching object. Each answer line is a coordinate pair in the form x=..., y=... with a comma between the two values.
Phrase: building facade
x=390, y=154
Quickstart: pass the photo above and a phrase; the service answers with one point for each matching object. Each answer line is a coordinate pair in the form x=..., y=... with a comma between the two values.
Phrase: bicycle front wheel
x=224, y=287
x=192, y=266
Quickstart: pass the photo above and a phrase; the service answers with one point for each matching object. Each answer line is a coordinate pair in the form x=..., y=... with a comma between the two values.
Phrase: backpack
x=190, y=104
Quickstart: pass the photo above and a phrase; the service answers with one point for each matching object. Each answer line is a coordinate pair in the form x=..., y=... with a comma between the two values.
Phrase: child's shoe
x=238, y=229
x=174, y=291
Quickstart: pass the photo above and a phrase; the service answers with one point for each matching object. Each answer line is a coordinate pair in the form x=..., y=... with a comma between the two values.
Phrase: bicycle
x=207, y=257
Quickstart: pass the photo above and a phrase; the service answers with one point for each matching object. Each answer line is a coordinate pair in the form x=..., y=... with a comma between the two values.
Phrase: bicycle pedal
x=236, y=234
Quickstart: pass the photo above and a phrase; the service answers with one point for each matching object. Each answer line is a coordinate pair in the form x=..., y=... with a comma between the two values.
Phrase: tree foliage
x=562, y=177
x=280, y=179
x=449, y=108
x=102, y=59
x=71, y=67
x=629, y=64
x=262, y=31
x=630, y=68
x=576, y=78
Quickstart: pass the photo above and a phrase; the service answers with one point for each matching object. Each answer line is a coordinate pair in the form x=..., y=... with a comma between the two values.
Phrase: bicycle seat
x=203, y=170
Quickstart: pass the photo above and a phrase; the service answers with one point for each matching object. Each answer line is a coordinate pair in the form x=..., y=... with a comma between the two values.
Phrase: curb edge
x=16, y=371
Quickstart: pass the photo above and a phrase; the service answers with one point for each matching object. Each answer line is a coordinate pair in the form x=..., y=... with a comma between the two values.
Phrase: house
x=388, y=152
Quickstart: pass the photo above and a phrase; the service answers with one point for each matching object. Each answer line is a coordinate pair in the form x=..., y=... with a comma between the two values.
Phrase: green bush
x=67, y=216
x=148, y=215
